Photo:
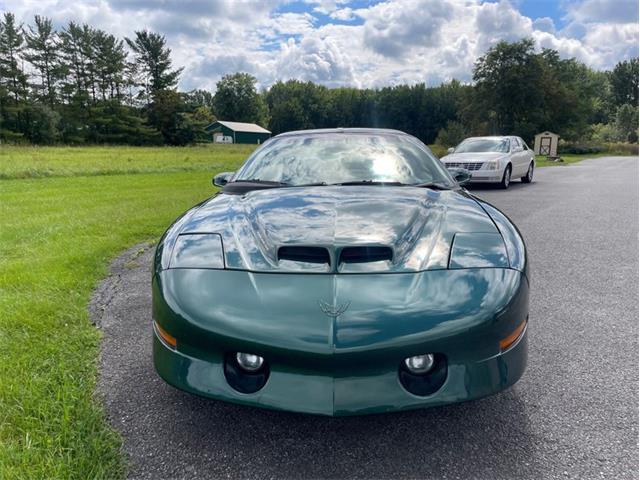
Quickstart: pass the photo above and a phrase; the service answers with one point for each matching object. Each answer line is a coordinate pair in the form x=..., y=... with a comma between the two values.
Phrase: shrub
x=627, y=123
x=584, y=148
x=579, y=148
x=621, y=148
x=452, y=135
x=438, y=150
x=604, y=133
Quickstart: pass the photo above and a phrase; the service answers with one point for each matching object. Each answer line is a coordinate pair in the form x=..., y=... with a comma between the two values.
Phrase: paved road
x=574, y=414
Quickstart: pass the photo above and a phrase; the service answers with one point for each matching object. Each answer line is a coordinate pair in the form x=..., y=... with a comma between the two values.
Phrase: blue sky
x=530, y=8
x=362, y=43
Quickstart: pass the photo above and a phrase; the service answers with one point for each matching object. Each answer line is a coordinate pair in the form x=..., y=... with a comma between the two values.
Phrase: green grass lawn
x=57, y=236
x=64, y=214
x=35, y=162
x=569, y=158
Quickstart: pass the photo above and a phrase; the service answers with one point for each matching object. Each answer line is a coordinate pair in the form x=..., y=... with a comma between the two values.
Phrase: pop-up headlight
x=478, y=250
x=198, y=250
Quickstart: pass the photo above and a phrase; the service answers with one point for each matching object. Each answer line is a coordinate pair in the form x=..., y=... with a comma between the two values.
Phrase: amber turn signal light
x=164, y=335
x=506, y=342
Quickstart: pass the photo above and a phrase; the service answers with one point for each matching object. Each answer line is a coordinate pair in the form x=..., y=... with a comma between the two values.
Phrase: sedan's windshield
x=338, y=158
x=480, y=145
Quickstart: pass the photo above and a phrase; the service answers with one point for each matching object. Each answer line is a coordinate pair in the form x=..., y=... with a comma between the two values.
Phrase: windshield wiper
x=273, y=183
x=261, y=182
x=431, y=185
x=313, y=184
x=245, y=184
x=368, y=182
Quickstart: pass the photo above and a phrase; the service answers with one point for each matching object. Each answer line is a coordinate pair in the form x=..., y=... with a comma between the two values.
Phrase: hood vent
x=365, y=254
x=304, y=254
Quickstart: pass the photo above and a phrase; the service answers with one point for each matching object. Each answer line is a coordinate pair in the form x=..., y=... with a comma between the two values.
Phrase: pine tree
x=88, y=41
x=76, y=51
x=12, y=75
x=13, y=80
x=154, y=64
x=74, y=86
x=42, y=53
x=111, y=65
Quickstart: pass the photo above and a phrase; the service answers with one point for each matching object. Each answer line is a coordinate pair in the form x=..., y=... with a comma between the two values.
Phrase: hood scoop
x=365, y=254
x=321, y=255
x=304, y=254
x=358, y=229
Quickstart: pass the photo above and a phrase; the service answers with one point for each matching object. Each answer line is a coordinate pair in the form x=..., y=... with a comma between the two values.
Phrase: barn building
x=237, y=132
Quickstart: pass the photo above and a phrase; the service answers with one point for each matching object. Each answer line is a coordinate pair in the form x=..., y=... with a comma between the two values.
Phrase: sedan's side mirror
x=450, y=150
x=461, y=175
x=221, y=179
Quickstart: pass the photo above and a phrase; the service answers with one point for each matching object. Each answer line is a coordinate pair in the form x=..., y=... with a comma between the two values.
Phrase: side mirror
x=221, y=179
x=450, y=150
x=461, y=175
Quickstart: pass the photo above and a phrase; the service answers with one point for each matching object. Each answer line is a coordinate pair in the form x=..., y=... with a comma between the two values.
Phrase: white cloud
x=317, y=59
x=326, y=7
x=603, y=11
x=286, y=24
x=344, y=14
x=610, y=42
x=386, y=43
x=544, y=24
x=393, y=28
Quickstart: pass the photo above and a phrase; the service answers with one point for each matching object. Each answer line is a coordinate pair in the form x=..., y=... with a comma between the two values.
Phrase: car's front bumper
x=486, y=176
x=310, y=392
x=482, y=175
x=348, y=364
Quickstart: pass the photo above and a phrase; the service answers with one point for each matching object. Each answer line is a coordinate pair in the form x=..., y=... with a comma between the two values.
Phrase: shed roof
x=238, y=127
x=546, y=134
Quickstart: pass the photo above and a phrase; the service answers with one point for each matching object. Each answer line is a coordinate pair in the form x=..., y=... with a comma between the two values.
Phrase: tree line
x=81, y=84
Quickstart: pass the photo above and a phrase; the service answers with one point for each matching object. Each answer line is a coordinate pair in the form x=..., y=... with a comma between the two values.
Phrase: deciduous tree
x=236, y=99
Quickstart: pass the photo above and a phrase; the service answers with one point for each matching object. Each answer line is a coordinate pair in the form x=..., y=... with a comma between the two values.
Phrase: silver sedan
x=493, y=159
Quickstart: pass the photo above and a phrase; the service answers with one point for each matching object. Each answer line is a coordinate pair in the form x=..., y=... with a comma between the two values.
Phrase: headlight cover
x=198, y=250
x=491, y=165
x=478, y=250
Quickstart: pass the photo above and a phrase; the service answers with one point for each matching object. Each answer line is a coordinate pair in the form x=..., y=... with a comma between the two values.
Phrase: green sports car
x=341, y=272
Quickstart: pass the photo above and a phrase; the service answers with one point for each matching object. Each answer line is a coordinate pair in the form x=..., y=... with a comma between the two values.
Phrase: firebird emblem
x=332, y=311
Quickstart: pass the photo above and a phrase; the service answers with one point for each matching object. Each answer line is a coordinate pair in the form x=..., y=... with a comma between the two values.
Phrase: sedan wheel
x=529, y=176
x=506, y=178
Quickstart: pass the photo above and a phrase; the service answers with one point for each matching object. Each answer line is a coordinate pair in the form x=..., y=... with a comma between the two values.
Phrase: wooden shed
x=546, y=143
x=237, y=132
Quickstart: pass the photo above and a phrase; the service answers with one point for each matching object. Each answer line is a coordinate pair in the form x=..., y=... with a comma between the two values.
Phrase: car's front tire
x=528, y=178
x=506, y=178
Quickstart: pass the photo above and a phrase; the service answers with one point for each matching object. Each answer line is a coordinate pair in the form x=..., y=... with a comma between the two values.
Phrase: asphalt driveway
x=574, y=414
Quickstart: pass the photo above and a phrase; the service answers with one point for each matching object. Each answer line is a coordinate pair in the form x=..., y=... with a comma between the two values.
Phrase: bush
x=620, y=148
x=614, y=148
x=452, y=135
x=604, y=133
x=627, y=123
x=438, y=150
x=579, y=148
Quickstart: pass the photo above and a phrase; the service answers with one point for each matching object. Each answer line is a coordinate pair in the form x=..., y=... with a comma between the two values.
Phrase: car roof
x=491, y=137
x=320, y=131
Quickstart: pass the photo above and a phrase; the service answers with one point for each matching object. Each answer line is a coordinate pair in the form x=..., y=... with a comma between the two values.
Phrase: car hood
x=473, y=157
x=416, y=224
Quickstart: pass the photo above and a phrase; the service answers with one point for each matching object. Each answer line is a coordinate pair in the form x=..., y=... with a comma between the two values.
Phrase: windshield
x=479, y=145
x=344, y=157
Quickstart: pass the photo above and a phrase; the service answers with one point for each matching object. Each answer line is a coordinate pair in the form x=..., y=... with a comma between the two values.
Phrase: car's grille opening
x=365, y=254
x=304, y=254
x=471, y=166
